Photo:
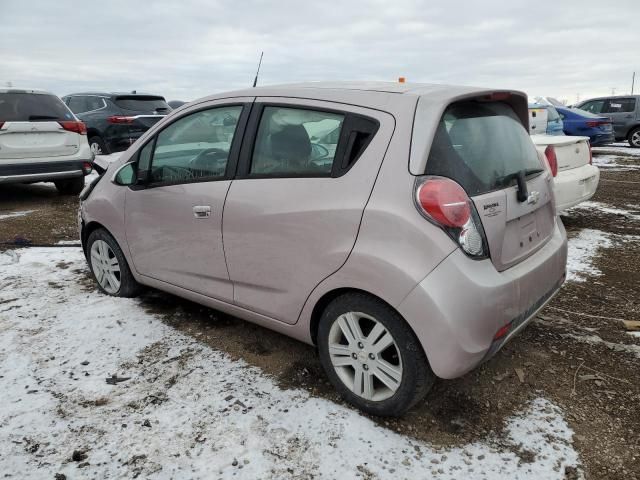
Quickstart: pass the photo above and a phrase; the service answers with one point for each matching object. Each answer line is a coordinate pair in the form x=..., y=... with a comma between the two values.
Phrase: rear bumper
x=574, y=186
x=457, y=309
x=41, y=171
x=602, y=139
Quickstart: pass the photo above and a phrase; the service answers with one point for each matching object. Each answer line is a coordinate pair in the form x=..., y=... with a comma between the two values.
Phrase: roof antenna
x=255, y=80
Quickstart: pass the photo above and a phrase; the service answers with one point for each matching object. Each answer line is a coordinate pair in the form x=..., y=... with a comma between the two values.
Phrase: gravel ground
x=576, y=355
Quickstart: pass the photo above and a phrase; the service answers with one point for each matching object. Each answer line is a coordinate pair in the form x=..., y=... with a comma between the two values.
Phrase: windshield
x=482, y=146
x=141, y=103
x=32, y=107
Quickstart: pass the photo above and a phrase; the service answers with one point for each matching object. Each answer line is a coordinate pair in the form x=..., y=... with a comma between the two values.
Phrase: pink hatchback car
x=408, y=231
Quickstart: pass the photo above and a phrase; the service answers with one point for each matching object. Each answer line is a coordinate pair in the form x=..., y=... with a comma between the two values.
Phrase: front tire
x=371, y=356
x=634, y=138
x=73, y=186
x=109, y=267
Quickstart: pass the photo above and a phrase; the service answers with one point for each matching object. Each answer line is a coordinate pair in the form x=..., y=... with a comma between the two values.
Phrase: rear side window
x=620, y=105
x=31, y=107
x=482, y=146
x=296, y=142
x=141, y=103
x=78, y=104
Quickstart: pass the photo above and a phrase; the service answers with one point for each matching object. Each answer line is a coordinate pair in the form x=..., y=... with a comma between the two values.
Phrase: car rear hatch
x=571, y=152
x=36, y=125
x=140, y=112
x=483, y=145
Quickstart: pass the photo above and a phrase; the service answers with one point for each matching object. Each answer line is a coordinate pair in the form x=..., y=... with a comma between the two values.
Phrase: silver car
x=408, y=231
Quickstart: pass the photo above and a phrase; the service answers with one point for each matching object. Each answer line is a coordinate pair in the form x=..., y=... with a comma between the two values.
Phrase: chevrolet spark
x=408, y=231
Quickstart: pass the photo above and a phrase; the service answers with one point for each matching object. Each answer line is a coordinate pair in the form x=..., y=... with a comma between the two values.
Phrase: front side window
x=194, y=147
x=593, y=107
x=482, y=146
x=296, y=142
x=621, y=105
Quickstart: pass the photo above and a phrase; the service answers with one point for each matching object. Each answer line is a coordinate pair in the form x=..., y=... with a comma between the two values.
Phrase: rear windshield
x=32, y=107
x=142, y=104
x=482, y=146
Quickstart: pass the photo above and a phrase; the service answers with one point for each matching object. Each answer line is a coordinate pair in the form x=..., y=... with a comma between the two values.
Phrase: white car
x=41, y=140
x=569, y=158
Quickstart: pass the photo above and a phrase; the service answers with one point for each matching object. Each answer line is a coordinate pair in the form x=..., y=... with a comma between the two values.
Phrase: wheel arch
x=323, y=302
x=87, y=229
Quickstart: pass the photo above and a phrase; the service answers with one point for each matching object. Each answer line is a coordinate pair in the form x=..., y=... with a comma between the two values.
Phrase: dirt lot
x=576, y=354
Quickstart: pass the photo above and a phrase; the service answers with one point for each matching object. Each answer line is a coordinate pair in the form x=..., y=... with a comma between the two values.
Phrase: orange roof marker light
x=401, y=79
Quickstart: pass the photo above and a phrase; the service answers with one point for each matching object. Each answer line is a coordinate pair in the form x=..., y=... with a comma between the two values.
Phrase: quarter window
x=195, y=147
x=296, y=142
x=621, y=105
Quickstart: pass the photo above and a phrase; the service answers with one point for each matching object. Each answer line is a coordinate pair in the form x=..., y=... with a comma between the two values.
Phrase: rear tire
x=73, y=186
x=109, y=266
x=385, y=381
x=98, y=146
x=634, y=138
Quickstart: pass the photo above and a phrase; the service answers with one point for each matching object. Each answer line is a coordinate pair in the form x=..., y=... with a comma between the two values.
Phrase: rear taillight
x=597, y=123
x=120, y=119
x=87, y=168
x=445, y=203
x=590, y=154
x=552, y=160
x=1, y=124
x=77, y=127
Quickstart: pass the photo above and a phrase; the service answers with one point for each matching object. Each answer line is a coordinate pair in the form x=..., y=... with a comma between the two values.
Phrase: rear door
x=173, y=216
x=621, y=111
x=484, y=147
x=292, y=215
x=30, y=128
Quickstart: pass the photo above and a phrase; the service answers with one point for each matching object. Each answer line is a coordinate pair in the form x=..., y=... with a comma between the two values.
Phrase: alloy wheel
x=635, y=138
x=95, y=148
x=365, y=356
x=106, y=267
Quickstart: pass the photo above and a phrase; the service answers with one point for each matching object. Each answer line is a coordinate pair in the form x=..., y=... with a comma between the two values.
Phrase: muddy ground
x=576, y=354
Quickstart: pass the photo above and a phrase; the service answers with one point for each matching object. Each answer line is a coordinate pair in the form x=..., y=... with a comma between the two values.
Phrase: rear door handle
x=202, y=211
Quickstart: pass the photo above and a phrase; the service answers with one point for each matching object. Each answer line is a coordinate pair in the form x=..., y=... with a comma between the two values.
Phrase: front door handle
x=202, y=211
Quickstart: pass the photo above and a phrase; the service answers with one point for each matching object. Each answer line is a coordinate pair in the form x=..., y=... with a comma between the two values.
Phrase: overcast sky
x=185, y=49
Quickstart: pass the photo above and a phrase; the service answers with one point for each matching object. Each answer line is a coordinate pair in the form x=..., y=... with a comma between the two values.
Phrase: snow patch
x=603, y=207
x=582, y=249
x=16, y=214
x=189, y=411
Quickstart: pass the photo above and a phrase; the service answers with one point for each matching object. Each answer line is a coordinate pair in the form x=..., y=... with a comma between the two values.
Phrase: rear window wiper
x=520, y=177
x=507, y=179
x=42, y=117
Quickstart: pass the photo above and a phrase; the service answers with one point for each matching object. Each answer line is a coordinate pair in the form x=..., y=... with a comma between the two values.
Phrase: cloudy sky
x=184, y=49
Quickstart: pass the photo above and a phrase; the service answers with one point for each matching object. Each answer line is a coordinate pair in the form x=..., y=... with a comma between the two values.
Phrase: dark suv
x=624, y=112
x=116, y=120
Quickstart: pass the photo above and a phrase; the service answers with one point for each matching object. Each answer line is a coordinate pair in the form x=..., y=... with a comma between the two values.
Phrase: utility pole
x=633, y=81
x=613, y=91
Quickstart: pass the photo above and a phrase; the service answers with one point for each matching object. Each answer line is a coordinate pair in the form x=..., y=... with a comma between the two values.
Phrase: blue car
x=581, y=123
